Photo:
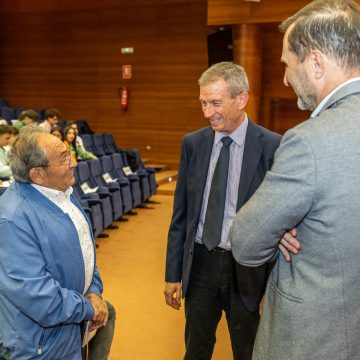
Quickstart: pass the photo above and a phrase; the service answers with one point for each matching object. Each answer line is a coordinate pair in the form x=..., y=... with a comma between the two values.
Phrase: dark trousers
x=99, y=346
x=211, y=290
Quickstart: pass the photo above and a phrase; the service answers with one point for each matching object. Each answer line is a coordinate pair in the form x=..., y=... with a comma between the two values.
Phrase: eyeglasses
x=67, y=162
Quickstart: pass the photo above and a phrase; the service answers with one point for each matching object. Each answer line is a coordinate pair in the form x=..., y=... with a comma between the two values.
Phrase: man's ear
x=317, y=63
x=36, y=175
x=243, y=99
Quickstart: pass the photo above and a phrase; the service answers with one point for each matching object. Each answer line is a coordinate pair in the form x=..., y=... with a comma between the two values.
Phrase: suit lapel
x=252, y=152
x=202, y=164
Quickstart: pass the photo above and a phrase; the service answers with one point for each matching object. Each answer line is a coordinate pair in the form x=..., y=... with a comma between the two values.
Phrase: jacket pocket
x=39, y=348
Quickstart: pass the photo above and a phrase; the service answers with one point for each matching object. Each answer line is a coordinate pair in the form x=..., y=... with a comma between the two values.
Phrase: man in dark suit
x=199, y=264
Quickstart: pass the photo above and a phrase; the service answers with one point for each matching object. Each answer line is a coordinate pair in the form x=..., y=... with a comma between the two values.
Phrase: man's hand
x=173, y=294
x=100, y=310
x=289, y=244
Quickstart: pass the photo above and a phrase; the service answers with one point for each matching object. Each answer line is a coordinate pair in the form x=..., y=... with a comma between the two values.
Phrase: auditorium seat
x=41, y=113
x=117, y=172
x=140, y=166
x=96, y=173
x=143, y=179
x=4, y=102
x=125, y=187
x=7, y=113
x=110, y=145
x=88, y=143
x=92, y=205
x=61, y=125
x=98, y=141
x=17, y=112
x=85, y=181
x=83, y=127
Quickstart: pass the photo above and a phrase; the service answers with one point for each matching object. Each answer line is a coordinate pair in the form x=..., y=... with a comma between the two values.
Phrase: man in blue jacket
x=49, y=282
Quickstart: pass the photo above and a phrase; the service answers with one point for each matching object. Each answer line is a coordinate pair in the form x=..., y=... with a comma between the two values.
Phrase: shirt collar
x=52, y=193
x=238, y=135
x=323, y=102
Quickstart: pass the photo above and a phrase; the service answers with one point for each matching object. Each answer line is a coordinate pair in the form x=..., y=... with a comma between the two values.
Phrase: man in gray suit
x=312, y=303
x=199, y=263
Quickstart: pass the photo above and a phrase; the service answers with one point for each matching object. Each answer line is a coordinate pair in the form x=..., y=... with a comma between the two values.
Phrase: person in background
x=6, y=133
x=56, y=131
x=76, y=152
x=13, y=138
x=199, y=261
x=27, y=117
x=311, y=307
x=49, y=280
x=79, y=142
x=52, y=116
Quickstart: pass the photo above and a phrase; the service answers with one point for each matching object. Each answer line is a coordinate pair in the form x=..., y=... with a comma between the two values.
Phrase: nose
x=285, y=81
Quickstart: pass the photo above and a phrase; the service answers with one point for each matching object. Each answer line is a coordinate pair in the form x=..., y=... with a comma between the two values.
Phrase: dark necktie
x=214, y=216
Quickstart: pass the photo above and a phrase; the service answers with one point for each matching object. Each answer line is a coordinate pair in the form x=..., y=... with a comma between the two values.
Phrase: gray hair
x=234, y=76
x=331, y=26
x=26, y=153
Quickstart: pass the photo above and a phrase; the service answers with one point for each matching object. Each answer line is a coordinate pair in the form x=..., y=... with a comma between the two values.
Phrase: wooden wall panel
x=67, y=54
x=283, y=113
x=247, y=49
x=222, y=12
x=280, y=109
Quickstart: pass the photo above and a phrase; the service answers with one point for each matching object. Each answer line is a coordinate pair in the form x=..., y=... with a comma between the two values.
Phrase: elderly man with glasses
x=50, y=284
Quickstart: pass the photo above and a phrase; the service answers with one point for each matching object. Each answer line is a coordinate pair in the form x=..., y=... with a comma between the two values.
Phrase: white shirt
x=46, y=126
x=232, y=189
x=63, y=201
x=79, y=142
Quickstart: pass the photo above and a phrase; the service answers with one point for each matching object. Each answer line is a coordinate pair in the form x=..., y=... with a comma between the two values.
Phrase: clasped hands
x=101, y=313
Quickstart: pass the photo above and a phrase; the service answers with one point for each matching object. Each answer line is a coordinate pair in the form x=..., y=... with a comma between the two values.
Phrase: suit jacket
x=259, y=149
x=312, y=308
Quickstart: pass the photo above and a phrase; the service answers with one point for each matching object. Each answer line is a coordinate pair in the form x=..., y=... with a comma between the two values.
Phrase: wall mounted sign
x=127, y=50
x=126, y=71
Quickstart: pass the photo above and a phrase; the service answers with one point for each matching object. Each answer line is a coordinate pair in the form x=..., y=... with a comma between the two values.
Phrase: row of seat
x=106, y=193
x=10, y=114
x=104, y=144
x=83, y=126
x=103, y=188
x=130, y=189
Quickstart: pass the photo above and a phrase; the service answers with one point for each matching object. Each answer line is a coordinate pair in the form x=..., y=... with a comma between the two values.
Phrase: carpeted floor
x=132, y=263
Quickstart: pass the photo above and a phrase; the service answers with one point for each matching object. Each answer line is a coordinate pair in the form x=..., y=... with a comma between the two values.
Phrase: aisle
x=131, y=263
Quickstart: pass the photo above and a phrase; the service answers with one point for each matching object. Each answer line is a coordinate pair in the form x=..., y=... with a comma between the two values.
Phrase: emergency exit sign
x=127, y=50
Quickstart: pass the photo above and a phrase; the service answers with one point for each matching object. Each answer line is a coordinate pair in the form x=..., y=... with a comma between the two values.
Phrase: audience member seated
x=13, y=137
x=27, y=117
x=52, y=116
x=6, y=132
x=77, y=153
x=56, y=131
x=79, y=142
